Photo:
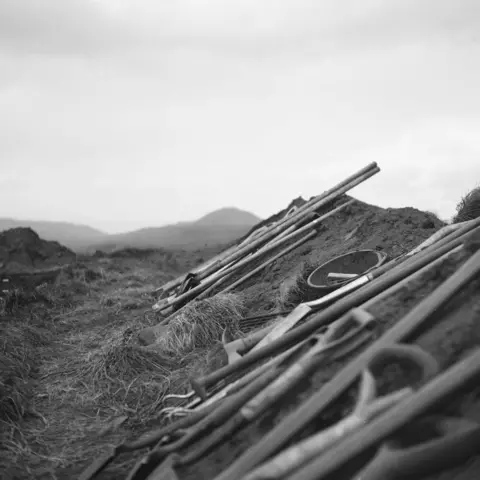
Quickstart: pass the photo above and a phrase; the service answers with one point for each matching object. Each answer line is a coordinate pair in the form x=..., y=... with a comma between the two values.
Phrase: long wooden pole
x=291, y=247
x=315, y=202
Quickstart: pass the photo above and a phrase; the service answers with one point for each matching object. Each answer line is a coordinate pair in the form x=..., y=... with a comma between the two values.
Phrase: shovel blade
x=284, y=324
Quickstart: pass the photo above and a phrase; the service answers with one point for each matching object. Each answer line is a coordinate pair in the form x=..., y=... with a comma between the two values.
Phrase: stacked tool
x=295, y=228
x=340, y=328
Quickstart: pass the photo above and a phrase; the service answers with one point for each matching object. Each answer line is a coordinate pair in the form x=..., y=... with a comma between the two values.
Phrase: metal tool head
x=284, y=325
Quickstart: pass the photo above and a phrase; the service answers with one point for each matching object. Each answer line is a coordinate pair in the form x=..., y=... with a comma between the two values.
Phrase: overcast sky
x=127, y=113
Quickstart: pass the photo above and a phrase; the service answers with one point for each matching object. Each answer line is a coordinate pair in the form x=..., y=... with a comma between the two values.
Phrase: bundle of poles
x=296, y=227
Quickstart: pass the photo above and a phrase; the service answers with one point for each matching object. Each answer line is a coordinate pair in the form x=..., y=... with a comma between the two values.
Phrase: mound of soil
x=359, y=226
x=22, y=250
x=26, y=260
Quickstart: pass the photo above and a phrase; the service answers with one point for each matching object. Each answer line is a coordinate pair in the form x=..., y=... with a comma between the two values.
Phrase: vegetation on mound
x=469, y=206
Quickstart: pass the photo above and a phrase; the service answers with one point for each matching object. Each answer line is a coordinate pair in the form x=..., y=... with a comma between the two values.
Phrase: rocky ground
x=75, y=381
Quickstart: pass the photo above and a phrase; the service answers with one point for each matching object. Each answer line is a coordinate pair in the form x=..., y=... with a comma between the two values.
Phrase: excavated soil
x=450, y=335
x=359, y=226
x=22, y=250
x=27, y=261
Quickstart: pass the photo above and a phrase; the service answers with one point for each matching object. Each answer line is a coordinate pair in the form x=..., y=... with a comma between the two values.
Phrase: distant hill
x=74, y=236
x=229, y=216
x=216, y=228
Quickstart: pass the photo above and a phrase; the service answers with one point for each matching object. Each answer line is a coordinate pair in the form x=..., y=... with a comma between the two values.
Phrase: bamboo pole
x=316, y=202
x=206, y=293
x=299, y=242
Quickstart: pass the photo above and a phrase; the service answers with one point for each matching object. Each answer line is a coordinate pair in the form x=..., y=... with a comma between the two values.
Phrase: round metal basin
x=354, y=264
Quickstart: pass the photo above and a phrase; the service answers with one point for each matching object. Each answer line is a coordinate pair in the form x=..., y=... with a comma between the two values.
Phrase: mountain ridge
x=217, y=227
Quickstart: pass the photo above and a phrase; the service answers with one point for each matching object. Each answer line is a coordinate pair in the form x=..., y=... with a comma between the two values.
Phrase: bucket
x=348, y=267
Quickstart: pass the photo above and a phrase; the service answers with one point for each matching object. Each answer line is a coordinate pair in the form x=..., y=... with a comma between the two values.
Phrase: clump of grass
x=295, y=289
x=201, y=324
x=120, y=373
x=117, y=361
x=469, y=206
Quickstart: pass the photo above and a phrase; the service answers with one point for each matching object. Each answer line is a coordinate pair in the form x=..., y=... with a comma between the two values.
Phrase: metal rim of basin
x=329, y=286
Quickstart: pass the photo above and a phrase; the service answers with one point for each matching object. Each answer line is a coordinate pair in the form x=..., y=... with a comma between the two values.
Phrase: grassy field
x=73, y=381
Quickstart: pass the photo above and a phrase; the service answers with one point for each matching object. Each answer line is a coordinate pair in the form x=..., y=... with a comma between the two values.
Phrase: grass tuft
x=118, y=362
x=201, y=324
x=469, y=206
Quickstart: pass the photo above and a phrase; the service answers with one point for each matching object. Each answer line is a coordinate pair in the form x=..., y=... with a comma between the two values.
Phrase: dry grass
x=132, y=375
x=25, y=334
x=469, y=207
x=18, y=362
x=72, y=381
x=295, y=289
x=201, y=324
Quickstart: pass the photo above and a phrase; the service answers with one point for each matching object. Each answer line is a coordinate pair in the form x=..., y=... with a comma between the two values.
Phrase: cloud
x=246, y=28
x=154, y=111
x=253, y=28
x=430, y=166
x=58, y=27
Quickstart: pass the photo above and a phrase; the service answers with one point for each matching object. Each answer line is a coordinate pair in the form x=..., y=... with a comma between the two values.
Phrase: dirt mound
x=23, y=251
x=359, y=226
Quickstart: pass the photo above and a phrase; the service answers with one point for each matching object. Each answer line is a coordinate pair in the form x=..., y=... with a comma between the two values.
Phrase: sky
x=129, y=113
